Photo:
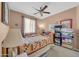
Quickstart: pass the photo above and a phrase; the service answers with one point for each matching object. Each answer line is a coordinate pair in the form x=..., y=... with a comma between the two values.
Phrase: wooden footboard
x=39, y=45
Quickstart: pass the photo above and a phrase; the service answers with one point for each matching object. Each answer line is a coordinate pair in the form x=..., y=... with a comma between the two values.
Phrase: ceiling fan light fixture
x=41, y=11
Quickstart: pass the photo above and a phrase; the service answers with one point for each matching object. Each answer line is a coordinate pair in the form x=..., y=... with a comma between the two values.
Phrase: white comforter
x=31, y=40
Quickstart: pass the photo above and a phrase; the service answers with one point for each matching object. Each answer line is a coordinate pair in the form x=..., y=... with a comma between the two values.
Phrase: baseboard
x=76, y=49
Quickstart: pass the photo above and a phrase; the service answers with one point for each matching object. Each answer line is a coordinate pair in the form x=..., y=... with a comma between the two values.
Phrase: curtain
x=29, y=25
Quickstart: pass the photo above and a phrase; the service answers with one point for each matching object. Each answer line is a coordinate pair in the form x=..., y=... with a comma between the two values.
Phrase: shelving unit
x=58, y=35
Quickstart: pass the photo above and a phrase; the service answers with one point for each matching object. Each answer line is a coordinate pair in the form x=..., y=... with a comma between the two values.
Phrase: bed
x=35, y=43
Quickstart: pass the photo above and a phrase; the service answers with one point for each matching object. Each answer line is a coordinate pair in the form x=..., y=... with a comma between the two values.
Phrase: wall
x=77, y=17
x=0, y=11
x=15, y=18
x=3, y=31
x=76, y=32
x=69, y=14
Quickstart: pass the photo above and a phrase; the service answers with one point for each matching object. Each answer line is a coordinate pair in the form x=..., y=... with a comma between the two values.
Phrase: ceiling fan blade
x=47, y=12
x=36, y=13
x=44, y=8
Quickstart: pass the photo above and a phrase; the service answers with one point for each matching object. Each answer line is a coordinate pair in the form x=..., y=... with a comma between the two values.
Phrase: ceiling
x=53, y=7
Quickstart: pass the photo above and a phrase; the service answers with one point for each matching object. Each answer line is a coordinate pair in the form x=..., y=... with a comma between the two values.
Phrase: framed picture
x=5, y=13
x=66, y=23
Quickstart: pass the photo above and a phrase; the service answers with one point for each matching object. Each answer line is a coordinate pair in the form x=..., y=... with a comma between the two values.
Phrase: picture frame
x=5, y=13
x=66, y=23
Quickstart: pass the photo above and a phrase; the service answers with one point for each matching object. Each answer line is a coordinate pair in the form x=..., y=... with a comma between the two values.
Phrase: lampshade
x=13, y=39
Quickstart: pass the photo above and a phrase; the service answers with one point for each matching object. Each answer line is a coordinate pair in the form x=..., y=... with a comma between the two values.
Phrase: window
x=29, y=25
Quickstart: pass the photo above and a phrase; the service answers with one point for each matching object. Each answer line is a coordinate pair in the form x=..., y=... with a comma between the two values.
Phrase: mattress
x=30, y=40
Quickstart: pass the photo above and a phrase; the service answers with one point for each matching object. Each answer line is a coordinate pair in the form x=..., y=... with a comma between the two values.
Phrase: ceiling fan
x=42, y=10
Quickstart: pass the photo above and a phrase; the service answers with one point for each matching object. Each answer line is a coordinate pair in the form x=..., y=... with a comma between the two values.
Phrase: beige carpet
x=58, y=51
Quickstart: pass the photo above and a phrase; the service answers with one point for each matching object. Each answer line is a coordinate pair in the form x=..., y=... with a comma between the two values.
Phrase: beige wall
x=15, y=18
x=76, y=32
x=77, y=17
x=0, y=11
x=69, y=14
